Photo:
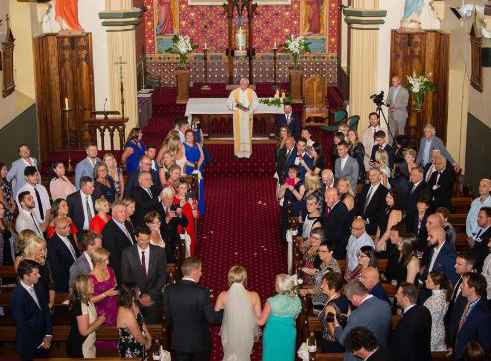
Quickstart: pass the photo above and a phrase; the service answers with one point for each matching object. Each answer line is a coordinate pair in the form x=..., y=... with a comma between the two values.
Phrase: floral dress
x=437, y=304
x=128, y=347
x=8, y=196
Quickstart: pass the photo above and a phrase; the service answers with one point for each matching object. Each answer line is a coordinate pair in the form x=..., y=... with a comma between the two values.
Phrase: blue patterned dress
x=280, y=333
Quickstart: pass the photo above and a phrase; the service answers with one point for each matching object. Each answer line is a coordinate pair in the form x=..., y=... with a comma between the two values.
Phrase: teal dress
x=280, y=333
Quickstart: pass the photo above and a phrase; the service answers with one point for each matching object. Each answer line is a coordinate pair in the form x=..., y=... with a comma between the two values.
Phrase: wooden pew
x=314, y=325
x=7, y=294
x=8, y=272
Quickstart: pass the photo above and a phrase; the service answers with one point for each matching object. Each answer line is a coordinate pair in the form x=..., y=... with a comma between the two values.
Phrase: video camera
x=378, y=99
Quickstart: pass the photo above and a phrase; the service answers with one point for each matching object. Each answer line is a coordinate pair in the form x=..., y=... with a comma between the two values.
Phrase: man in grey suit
x=346, y=166
x=397, y=101
x=85, y=168
x=83, y=265
x=370, y=312
x=431, y=142
x=16, y=172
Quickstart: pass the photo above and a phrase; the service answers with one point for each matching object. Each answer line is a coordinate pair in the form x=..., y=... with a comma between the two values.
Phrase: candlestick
x=274, y=46
x=66, y=104
x=206, y=47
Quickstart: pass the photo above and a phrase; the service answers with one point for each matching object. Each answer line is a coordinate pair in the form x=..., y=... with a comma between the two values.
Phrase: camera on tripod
x=378, y=98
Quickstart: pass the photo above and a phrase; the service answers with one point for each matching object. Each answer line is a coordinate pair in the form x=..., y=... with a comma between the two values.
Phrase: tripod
x=379, y=112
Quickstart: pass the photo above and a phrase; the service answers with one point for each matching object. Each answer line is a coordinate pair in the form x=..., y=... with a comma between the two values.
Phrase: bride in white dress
x=241, y=310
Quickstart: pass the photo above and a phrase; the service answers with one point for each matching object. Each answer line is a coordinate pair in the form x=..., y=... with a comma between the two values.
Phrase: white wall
x=88, y=13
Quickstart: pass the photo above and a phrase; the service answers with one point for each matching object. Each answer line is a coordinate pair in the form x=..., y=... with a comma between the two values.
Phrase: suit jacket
x=379, y=292
x=76, y=209
x=379, y=355
x=436, y=143
x=454, y=313
x=133, y=182
x=80, y=267
x=16, y=172
x=336, y=229
x=399, y=103
x=390, y=153
x=351, y=170
x=144, y=203
x=373, y=314
x=293, y=127
x=481, y=249
x=445, y=262
x=60, y=260
x=412, y=199
x=32, y=323
x=282, y=164
x=301, y=169
x=84, y=168
x=154, y=281
x=189, y=311
x=169, y=232
x=375, y=210
x=477, y=327
x=115, y=241
x=441, y=192
x=411, y=340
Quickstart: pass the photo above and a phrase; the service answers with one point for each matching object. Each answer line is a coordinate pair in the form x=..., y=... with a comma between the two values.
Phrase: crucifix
x=121, y=63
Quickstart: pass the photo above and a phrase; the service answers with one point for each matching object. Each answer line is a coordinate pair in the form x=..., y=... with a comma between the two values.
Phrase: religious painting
x=313, y=16
x=166, y=14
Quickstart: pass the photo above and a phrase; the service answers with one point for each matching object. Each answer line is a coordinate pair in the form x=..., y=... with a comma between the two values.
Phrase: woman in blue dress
x=134, y=149
x=194, y=162
x=279, y=315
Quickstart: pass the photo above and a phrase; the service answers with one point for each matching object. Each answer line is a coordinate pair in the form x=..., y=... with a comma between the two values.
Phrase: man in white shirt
x=42, y=204
x=26, y=218
x=484, y=200
x=368, y=137
x=359, y=238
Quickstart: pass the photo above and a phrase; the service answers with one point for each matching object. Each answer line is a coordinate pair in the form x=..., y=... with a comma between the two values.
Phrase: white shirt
x=486, y=272
x=122, y=226
x=32, y=293
x=146, y=252
x=68, y=245
x=404, y=311
x=353, y=247
x=25, y=220
x=89, y=260
x=43, y=194
x=436, y=251
x=188, y=279
x=83, y=196
x=343, y=161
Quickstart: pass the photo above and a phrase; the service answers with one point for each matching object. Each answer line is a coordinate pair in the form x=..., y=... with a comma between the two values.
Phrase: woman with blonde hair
x=241, y=310
x=20, y=244
x=168, y=144
x=104, y=282
x=190, y=211
x=346, y=193
x=357, y=151
x=84, y=320
x=100, y=220
x=165, y=164
x=115, y=173
x=279, y=315
x=382, y=161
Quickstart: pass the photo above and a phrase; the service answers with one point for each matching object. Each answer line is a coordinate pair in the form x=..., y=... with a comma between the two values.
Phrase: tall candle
x=275, y=47
x=66, y=104
x=206, y=47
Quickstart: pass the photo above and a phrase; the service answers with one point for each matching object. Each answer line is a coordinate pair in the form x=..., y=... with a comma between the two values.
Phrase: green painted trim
x=121, y=23
x=364, y=13
x=127, y=14
x=354, y=21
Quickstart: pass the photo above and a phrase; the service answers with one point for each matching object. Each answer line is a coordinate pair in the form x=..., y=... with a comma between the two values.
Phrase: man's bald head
x=370, y=277
x=244, y=83
x=434, y=220
x=436, y=236
x=358, y=227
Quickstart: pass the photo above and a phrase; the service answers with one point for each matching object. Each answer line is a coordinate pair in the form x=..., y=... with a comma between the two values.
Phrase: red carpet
x=241, y=227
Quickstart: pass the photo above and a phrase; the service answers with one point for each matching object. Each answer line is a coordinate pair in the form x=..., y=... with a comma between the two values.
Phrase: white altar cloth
x=219, y=106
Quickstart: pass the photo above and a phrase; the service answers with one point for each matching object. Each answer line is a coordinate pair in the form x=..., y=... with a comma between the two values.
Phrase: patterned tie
x=40, y=204
x=369, y=198
x=87, y=205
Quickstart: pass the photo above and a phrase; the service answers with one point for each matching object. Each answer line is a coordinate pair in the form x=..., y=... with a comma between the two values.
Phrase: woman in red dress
x=99, y=221
x=59, y=208
x=190, y=211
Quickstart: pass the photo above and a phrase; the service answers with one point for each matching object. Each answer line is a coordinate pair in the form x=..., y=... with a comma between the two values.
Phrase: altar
x=216, y=118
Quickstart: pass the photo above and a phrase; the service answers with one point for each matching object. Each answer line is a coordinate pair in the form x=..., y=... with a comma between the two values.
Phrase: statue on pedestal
x=67, y=15
x=411, y=20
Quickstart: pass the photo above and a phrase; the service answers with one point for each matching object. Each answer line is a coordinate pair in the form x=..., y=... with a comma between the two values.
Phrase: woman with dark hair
x=104, y=185
x=6, y=194
x=84, y=320
x=332, y=285
x=338, y=138
x=134, y=337
x=393, y=215
x=404, y=265
x=437, y=304
x=291, y=194
x=60, y=186
x=366, y=258
x=357, y=151
x=59, y=208
x=134, y=149
x=315, y=152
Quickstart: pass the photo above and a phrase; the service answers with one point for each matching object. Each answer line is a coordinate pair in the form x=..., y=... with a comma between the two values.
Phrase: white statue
x=411, y=20
x=48, y=21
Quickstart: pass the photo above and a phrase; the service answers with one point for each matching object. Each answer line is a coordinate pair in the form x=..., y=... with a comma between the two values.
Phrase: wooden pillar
x=364, y=20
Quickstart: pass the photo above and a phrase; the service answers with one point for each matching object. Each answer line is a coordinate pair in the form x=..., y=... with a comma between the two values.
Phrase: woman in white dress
x=241, y=310
x=437, y=304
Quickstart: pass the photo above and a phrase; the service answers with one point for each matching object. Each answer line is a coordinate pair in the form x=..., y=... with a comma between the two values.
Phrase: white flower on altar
x=296, y=45
x=183, y=44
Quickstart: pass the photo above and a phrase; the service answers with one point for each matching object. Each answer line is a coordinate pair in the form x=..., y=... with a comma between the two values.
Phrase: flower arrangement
x=419, y=85
x=277, y=100
x=182, y=46
x=296, y=46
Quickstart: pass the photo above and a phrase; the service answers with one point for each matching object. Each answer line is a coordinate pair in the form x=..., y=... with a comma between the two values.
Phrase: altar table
x=216, y=118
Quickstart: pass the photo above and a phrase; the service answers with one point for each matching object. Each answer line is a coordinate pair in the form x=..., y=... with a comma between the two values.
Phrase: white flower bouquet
x=182, y=46
x=419, y=85
x=296, y=46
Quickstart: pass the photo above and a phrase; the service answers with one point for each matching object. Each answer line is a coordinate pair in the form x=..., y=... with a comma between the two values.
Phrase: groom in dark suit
x=146, y=266
x=189, y=311
x=289, y=120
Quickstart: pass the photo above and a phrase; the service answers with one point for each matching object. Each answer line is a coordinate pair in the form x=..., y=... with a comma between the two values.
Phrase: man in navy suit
x=29, y=306
x=475, y=323
x=289, y=120
x=300, y=159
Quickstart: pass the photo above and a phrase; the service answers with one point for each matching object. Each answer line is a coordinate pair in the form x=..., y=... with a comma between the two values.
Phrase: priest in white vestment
x=243, y=101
